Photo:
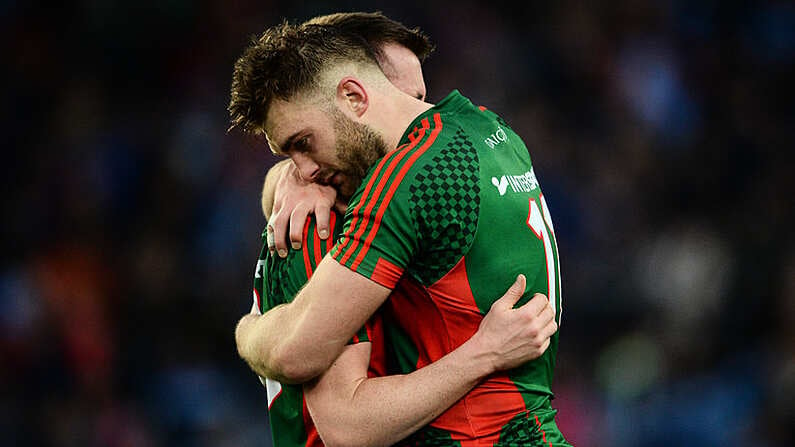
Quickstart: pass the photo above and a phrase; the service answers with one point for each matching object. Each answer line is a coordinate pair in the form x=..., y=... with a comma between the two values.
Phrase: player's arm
x=269, y=187
x=350, y=409
x=287, y=200
x=296, y=342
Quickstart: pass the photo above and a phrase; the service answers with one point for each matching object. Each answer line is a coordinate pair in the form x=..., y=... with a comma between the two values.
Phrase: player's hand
x=294, y=200
x=517, y=335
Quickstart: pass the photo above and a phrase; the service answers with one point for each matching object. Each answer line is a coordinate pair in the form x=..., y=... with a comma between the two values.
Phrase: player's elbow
x=289, y=366
x=244, y=342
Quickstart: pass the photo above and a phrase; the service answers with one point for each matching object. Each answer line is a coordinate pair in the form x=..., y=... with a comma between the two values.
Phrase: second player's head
x=399, y=50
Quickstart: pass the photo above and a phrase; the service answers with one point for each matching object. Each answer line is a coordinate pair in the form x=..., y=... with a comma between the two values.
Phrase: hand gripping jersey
x=448, y=220
x=277, y=281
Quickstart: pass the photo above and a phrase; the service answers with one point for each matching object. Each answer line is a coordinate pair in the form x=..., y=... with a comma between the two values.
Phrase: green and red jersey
x=277, y=281
x=448, y=220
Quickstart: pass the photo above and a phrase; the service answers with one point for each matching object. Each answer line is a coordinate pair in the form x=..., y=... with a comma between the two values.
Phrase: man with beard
x=323, y=118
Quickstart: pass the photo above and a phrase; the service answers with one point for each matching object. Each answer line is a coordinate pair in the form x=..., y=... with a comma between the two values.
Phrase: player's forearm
x=404, y=404
x=296, y=342
x=269, y=186
x=384, y=410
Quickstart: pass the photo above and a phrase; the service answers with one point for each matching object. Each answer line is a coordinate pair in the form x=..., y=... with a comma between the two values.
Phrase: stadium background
x=662, y=133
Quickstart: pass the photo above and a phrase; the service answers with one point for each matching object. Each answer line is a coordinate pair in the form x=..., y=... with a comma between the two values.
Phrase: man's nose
x=306, y=167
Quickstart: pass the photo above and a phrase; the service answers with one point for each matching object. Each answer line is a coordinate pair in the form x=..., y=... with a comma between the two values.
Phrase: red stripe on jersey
x=258, y=299
x=413, y=135
x=375, y=330
x=386, y=273
x=312, y=436
x=362, y=202
x=437, y=120
x=305, y=250
x=543, y=433
x=316, y=245
x=370, y=202
x=482, y=108
x=332, y=222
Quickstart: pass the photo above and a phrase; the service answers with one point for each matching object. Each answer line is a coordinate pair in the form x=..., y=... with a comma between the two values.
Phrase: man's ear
x=352, y=96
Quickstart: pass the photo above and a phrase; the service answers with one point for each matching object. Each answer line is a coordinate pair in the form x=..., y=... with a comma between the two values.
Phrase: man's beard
x=358, y=148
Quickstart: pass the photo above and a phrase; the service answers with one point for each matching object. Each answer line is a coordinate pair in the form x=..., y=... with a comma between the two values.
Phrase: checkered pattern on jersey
x=521, y=431
x=445, y=203
x=429, y=437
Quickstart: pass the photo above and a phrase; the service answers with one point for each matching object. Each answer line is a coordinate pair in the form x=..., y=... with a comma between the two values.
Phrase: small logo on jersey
x=501, y=184
x=496, y=138
x=526, y=182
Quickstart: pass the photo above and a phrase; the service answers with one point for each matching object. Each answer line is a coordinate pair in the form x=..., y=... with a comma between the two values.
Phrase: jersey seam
x=467, y=405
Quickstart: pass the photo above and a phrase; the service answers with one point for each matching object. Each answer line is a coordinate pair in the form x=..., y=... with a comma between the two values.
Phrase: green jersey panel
x=277, y=281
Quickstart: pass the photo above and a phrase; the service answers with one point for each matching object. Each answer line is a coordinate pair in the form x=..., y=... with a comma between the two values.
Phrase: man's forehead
x=280, y=123
x=286, y=119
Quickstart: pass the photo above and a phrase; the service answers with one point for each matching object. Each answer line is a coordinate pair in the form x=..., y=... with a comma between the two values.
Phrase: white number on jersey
x=536, y=220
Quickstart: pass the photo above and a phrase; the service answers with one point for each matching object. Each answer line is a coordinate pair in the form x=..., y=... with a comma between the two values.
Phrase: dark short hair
x=287, y=58
x=284, y=60
x=378, y=30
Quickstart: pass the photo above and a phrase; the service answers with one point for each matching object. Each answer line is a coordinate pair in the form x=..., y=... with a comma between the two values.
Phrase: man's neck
x=400, y=112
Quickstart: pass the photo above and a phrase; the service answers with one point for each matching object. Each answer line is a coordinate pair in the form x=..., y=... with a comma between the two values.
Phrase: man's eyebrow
x=285, y=146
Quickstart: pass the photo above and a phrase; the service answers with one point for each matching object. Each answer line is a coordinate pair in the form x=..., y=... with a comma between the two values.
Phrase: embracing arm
x=269, y=186
x=296, y=342
x=350, y=409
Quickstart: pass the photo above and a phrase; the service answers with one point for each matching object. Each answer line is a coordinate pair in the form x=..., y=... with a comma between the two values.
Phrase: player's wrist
x=479, y=358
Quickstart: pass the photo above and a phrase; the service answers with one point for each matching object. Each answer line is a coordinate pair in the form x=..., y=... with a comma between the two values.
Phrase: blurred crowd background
x=661, y=132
